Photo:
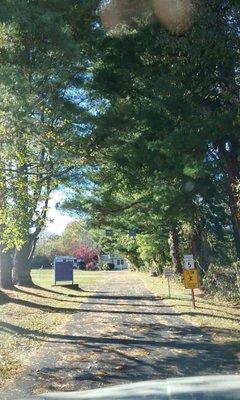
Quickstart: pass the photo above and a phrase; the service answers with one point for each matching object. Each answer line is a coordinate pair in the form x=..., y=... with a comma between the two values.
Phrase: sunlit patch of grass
x=217, y=317
x=86, y=280
x=8, y=365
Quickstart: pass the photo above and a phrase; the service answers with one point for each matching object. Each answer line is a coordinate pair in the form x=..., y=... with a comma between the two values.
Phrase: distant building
x=117, y=261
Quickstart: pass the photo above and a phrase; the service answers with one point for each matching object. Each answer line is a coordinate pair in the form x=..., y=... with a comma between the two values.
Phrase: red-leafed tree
x=84, y=251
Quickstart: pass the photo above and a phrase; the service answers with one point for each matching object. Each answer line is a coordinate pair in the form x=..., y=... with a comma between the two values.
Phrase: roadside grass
x=217, y=317
x=86, y=280
x=27, y=314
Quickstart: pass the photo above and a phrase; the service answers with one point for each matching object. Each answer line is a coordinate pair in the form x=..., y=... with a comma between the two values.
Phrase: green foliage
x=105, y=267
x=165, y=139
x=43, y=49
x=74, y=235
x=41, y=261
x=223, y=281
x=50, y=246
x=142, y=126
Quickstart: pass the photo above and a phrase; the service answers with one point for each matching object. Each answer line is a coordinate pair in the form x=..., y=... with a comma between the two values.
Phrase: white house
x=118, y=261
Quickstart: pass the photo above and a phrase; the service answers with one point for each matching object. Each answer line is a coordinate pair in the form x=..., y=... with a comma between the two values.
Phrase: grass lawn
x=27, y=313
x=215, y=316
x=85, y=279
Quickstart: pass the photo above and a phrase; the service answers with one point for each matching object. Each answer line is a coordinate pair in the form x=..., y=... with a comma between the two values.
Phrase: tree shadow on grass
x=46, y=289
x=201, y=307
x=48, y=308
x=53, y=291
x=3, y=298
x=43, y=307
x=199, y=301
x=92, y=310
x=100, y=295
x=35, y=294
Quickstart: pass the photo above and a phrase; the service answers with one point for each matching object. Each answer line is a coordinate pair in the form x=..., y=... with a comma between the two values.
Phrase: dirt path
x=121, y=335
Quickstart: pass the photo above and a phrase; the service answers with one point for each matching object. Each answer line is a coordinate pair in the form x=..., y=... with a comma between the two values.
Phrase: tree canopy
x=165, y=136
x=140, y=120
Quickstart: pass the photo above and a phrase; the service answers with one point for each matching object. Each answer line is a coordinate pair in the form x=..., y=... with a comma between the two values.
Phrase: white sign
x=168, y=272
x=189, y=261
x=63, y=258
x=105, y=257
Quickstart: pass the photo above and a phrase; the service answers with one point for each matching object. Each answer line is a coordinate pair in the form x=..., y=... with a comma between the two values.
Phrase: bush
x=223, y=281
x=41, y=261
x=104, y=267
x=107, y=266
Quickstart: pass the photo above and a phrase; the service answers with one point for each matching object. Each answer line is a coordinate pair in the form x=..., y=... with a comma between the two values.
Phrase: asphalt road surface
x=122, y=334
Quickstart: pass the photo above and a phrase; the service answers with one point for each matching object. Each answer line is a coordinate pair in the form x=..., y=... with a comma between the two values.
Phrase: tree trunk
x=174, y=247
x=198, y=248
x=21, y=270
x=235, y=216
x=5, y=269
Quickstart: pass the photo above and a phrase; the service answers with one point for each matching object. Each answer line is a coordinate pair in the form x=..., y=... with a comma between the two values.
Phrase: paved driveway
x=122, y=334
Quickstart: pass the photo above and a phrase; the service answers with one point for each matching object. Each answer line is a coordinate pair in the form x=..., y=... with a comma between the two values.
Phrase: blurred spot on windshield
x=176, y=15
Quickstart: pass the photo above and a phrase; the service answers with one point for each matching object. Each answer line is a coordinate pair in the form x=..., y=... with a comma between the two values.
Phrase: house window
x=122, y=262
x=118, y=262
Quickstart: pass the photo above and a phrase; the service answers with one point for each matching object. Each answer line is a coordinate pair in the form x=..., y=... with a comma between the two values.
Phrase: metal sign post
x=190, y=276
x=169, y=290
x=168, y=273
x=193, y=299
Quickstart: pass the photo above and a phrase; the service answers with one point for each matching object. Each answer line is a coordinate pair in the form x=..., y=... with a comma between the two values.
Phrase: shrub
x=223, y=281
x=40, y=261
x=105, y=267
